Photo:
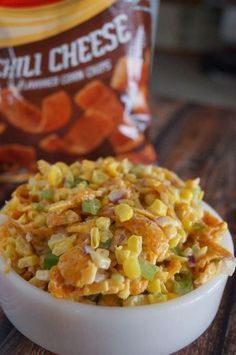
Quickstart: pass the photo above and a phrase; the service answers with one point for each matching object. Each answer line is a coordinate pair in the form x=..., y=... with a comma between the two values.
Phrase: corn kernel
x=162, y=275
x=170, y=231
x=158, y=208
x=224, y=226
x=187, y=252
x=121, y=254
x=182, y=235
x=59, y=206
x=38, y=283
x=32, y=215
x=126, y=165
x=118, y=277
x=55, y=176
x=43, y=166
x=131, y=177
x=174, y=242
x=23, y=247
x=199, y=252
x=23, y=219
x=186, y=195
x=76, y=168
x=95, y=237
x=66, y=170
x=157, y=298
x=187, y=222
x=171, y=296
x=112, y=169
x=135, y=244
x=105, y=236
x=154, y=286
x=55, y=238
x=98, y=177
x=150, y=198
x=124, y=212
x=101, y=258
x=124, y=294
x=88, y=165
x=127, y=202
x=61, y=247
x=139, y=300
x=39, y=220
x=42, y=275
x=103, y=223
x=28, y=261
x=131, y=268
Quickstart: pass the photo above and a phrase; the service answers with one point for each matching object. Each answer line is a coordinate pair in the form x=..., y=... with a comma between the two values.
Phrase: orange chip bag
x=74, y=81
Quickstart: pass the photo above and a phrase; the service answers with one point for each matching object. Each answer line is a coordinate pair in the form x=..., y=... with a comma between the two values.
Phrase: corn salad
x=111, y=233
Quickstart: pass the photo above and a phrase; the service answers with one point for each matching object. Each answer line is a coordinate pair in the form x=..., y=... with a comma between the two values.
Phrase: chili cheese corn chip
x=16, y=155
x=56, y=111
x=98, y=96
x=20, y=112
x=79, y=139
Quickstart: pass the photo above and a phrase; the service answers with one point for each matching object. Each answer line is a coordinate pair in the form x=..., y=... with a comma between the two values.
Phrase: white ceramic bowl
x=71, y=328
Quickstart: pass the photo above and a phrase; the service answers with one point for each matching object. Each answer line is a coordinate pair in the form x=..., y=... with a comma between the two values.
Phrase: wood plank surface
x=194, y=140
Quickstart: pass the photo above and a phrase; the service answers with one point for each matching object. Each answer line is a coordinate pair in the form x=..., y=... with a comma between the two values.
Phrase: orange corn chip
x=145, y=155
x=84, y=136
x=96, y=95
x=52, y=144
x=127, y=70
x=3, y=127
x=125, y=138
x=20, y=112
x=17, y=155
x=56, y=111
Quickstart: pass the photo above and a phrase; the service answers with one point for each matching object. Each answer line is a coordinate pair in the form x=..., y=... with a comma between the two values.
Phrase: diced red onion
x=100, y=277
x=115, y=196
x=87, y=249
x=28, y=237
x=191, y=260
x=121, y=237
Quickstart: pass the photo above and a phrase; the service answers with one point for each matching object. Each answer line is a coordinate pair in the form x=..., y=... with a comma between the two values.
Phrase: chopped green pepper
x=148, y=270
x=50, y=260
x=79, y=180
x=39, y=207
x=198, y=227
x=91, y=206
x=183, y=284
x=105, y=245
x=70, y=183
x=47, y=194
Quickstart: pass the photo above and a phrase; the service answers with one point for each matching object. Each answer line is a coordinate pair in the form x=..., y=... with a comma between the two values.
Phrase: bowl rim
x=75, y=307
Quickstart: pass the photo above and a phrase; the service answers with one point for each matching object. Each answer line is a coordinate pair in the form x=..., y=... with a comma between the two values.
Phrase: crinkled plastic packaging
x=73, y=82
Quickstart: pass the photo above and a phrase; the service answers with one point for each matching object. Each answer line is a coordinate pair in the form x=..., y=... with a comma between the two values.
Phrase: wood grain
x=193, y=140
x=203, y=144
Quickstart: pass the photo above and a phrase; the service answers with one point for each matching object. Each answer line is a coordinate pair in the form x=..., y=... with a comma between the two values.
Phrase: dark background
x=195, y=54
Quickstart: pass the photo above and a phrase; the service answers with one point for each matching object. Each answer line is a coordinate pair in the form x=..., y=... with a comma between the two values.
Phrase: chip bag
x=73, y=81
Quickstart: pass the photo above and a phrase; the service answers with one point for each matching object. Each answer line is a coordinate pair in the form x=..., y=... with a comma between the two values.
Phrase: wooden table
x=193, y=140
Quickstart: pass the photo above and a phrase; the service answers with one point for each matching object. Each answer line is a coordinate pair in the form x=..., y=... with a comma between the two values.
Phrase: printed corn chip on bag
x=73, y=82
